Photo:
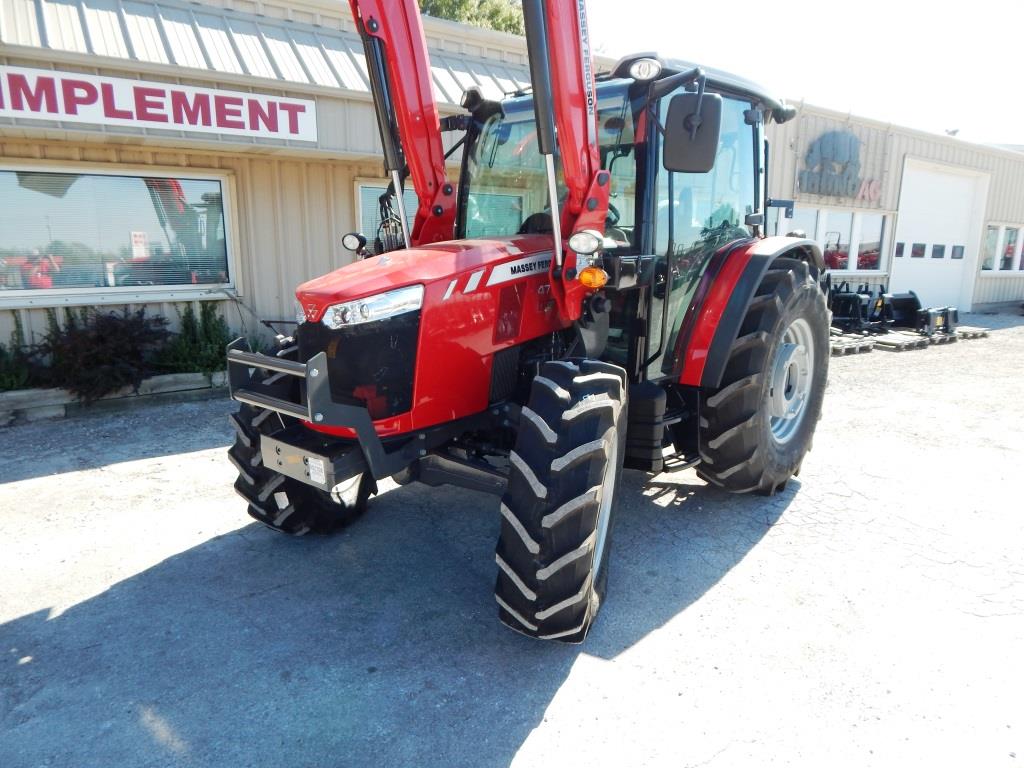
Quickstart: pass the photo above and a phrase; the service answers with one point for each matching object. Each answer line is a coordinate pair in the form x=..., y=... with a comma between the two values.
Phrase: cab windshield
x=505, y=184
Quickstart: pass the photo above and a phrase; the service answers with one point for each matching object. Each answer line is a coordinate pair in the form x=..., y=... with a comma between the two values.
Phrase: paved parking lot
x=872, y=614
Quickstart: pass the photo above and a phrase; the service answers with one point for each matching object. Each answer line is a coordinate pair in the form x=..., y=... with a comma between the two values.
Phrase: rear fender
x=705, y=348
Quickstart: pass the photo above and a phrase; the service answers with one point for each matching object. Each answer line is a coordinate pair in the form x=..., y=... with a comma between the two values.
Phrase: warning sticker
x=316, y=471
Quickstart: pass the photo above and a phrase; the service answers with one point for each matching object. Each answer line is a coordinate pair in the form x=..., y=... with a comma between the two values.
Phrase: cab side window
x=708, y=209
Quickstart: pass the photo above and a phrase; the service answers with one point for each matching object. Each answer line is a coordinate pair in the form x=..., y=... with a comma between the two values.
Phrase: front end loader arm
x=565, y=98
x=401, y=81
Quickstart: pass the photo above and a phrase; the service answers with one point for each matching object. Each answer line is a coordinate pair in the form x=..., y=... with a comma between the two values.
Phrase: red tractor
x=595, y=293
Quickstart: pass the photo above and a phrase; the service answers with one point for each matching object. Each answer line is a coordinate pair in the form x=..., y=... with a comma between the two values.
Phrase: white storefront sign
x=43, y=94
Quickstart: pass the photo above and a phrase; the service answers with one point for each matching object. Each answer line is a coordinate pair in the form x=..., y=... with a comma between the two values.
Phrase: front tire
x=282, y=503
x=558, y=510
x=757, y=427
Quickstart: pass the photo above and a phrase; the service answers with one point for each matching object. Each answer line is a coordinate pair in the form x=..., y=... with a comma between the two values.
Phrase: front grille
x=371, y=364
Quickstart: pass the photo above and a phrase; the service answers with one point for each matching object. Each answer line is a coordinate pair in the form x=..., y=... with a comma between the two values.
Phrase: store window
x=90, y=230
x=869, y=247
x=804, y=221
x=373, y=212
x=839, y=228
x=839, y=233
x=1009, y=248
x=991, y=245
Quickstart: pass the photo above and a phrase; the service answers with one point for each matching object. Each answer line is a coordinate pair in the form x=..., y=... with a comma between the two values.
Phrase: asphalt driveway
x=872, y=614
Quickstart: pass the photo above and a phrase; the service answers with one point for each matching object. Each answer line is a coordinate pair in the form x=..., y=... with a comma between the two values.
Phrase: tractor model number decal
x=513, y=270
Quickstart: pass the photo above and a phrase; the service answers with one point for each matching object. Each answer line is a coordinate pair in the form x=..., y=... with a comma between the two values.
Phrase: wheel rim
x=790, y=385
x=605, y=507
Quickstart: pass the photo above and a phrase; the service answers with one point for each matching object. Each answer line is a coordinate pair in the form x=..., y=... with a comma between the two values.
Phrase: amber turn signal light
x=593, y=277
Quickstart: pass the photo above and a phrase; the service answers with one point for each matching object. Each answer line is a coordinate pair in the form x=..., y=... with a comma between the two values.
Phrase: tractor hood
x=439, y=262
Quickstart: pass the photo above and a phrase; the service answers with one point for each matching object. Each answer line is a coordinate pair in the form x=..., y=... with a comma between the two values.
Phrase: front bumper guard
x=318, y=459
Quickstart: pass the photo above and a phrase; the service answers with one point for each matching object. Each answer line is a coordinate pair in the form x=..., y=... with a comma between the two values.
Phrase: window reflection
x=837, y=239
x=708, y=209
x=991, y=244
x=872, y=234
x=1009, y=248
x=64, y=230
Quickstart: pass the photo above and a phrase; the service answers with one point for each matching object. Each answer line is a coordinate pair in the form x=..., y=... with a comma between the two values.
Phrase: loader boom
x=401, y=81
x=574, y=102
x=562, y=70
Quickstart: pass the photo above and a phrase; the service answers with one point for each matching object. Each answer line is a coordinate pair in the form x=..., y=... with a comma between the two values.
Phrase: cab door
x=696, y=214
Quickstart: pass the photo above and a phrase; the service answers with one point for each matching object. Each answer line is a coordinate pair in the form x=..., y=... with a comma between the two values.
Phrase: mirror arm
x=694, y=119
x=666, y=85
x=653, y=114
x=455, y=147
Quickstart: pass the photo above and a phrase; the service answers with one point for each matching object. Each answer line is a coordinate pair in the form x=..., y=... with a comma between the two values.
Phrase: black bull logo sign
x=833, y=168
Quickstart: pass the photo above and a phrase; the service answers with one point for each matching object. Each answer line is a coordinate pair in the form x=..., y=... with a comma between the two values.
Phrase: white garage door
x=937, y=232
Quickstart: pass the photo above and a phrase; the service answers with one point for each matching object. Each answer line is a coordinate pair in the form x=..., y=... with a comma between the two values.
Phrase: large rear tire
x=557, y=513
x=280, y=502
x=757, y=428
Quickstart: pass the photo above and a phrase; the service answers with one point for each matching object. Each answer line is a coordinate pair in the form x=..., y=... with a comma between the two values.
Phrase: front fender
x=717, y=321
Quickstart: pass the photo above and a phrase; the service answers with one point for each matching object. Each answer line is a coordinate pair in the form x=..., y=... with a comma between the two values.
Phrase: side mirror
x=692, y=131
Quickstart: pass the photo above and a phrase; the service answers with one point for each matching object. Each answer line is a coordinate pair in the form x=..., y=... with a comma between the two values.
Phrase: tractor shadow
x=378, y=646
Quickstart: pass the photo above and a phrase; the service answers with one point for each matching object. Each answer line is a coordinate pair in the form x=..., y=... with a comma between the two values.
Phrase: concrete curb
x=25, y=405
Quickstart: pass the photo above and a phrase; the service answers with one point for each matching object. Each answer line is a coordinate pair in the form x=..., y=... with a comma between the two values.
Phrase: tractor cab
x=662, y=226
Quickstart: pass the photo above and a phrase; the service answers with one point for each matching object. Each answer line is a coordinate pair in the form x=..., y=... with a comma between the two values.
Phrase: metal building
x=902, y=208
x=160, y=151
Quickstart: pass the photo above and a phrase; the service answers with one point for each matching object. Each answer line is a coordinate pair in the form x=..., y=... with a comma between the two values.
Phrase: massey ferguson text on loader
x=595, y=293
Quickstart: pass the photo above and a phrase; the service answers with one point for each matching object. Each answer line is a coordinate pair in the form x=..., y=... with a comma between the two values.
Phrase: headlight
x=645, y=69
x=585, y=242
x=372, y=308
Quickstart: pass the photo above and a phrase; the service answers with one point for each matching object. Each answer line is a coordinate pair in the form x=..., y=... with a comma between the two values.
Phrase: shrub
x=98, y=353
x=16, y=369
x=200, y=345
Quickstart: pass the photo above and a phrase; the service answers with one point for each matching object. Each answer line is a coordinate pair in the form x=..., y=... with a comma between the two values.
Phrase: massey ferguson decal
x=587, y=62
x=512, y=270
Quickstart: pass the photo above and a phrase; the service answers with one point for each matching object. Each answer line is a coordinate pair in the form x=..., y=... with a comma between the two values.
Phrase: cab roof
x=719, y=79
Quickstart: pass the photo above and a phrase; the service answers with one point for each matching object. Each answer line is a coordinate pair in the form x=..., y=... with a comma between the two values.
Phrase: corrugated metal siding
x=18, y=22
x=144, y=37
x=182, y=38
x=1006, y=193
x=790, y=141
x=104, y=26
x=289, y=214
x=998, y=290
x=63, y=25
x=213, y=32
x=1004, y=205
x=267, y=45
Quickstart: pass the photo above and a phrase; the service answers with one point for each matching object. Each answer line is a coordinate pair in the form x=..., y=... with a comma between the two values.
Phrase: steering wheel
x=613, y=216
